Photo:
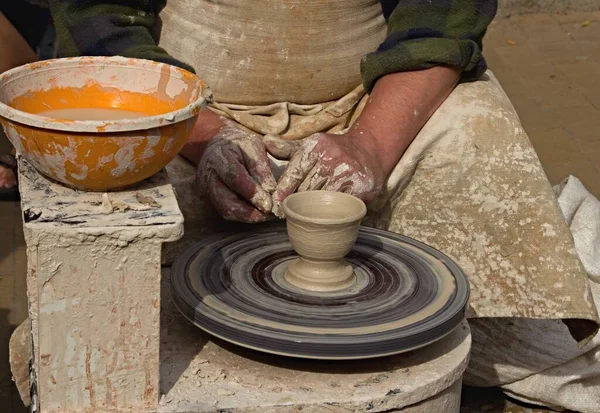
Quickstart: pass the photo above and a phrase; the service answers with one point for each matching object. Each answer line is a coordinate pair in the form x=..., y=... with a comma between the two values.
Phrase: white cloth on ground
x=569, y=384
x=582, y=212
x=549, y=369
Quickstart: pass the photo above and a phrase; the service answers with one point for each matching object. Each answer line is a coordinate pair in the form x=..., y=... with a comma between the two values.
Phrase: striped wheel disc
x=406, y=295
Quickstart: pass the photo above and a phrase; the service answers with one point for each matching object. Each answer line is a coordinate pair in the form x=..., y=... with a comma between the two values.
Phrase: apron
x=259, y=52
x=284, y=68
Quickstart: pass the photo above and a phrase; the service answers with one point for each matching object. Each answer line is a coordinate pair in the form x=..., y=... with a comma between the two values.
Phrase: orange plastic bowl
x=100, y=155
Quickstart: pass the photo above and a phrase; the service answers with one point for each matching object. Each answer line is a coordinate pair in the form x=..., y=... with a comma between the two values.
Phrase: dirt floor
x=549, y=65
x=550, y=68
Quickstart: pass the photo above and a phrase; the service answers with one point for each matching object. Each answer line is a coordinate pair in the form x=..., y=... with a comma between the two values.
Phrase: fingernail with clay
x=278, y=210
x=263, y=202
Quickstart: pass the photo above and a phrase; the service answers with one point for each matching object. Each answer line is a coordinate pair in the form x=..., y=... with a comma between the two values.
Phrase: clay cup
x=322, y=227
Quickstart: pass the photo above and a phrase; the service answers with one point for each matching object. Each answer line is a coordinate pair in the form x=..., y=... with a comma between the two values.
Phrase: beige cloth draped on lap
x=292, y=121
x=470, y=184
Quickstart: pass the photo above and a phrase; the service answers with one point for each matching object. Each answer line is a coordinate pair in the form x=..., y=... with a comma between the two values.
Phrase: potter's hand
x=343, y=163
x=235, y=173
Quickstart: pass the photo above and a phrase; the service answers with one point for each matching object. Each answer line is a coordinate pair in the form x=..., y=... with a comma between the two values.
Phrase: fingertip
x=278, y=209
x=262, y=201
x=251, y=217
x=279, y=195
x=230, y=206
x=279, y=148
x=269, y=185
x=259, y=168
x=257, y=217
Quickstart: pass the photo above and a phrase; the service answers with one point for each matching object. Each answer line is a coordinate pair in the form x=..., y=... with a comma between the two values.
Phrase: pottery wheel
x=406, y=295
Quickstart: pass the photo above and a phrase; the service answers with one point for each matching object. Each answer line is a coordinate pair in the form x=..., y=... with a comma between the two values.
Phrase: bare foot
x=7, y=178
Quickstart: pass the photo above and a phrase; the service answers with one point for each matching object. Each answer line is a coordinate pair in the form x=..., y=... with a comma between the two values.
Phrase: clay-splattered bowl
x=99, y=153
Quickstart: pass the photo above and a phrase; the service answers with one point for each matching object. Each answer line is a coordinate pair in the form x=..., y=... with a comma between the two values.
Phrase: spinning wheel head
x=405, y=295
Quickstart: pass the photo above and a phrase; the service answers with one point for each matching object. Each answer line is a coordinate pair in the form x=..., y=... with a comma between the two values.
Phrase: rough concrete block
x=93, y=282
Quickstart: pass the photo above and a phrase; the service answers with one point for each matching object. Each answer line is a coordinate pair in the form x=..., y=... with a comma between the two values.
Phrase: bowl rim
x=289, y=213
x=103, y=126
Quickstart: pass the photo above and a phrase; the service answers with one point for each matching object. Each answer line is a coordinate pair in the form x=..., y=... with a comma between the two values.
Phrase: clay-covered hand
x=235, y=173
x=343, y=163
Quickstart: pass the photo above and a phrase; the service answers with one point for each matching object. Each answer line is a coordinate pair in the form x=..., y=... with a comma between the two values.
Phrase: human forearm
x=398, y=107
x=430, y=47
x=208, y=125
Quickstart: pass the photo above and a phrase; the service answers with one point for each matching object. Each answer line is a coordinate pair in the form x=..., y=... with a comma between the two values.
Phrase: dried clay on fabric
x=251, y=52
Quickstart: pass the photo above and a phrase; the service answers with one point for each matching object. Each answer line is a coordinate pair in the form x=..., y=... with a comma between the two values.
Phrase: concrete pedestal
x=93, y=282
x=102, y=319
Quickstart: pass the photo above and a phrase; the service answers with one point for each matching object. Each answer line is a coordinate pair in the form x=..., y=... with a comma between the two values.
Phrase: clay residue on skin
x=235, y=163
x=320, y=163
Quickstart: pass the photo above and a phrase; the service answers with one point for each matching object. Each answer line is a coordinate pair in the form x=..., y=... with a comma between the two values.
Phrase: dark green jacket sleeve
x=110, y=28
x=427, y=33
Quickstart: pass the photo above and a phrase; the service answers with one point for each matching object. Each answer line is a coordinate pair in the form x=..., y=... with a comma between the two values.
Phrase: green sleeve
x=426, y=33
x=110, y=28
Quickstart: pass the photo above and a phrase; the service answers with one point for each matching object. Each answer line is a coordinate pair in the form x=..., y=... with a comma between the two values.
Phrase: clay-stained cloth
x=472, y=186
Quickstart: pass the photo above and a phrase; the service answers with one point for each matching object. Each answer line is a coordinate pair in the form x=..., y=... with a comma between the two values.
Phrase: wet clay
x=91, y=114
x=322, y=227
